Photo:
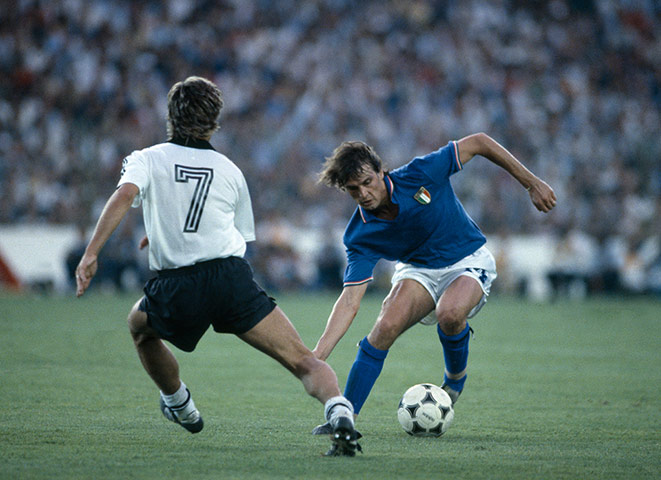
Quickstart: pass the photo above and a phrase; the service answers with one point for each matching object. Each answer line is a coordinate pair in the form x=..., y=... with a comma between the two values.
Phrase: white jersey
x=196, y=204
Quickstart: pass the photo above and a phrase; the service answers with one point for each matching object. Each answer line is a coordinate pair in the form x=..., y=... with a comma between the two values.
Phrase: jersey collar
x=191, y=142
x=367, y=216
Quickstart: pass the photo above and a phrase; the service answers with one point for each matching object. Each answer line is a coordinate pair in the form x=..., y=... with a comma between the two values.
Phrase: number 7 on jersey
x=203, y=177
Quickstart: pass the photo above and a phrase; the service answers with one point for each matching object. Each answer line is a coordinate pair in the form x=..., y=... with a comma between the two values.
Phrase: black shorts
x=181, y=303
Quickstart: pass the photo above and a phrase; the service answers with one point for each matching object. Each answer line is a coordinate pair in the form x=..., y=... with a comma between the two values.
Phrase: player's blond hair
x=193, y=108
x=347, y=162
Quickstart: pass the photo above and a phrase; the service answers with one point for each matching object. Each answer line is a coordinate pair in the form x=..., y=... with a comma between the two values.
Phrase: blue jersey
x=432, y=229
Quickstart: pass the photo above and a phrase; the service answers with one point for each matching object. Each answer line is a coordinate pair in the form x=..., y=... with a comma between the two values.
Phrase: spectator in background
x=330, y=264
x=575, y=85
x=573, y=264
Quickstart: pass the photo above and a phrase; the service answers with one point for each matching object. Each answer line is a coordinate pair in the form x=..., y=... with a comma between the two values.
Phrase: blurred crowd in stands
x=572, y=88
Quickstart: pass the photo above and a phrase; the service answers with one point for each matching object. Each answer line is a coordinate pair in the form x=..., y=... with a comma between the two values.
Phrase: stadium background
x=573, y=88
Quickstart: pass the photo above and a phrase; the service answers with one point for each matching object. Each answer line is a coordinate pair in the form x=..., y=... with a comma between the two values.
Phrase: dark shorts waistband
x=197, y=267
x=181, y=303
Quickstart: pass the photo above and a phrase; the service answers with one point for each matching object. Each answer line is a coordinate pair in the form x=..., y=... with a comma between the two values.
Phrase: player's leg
x=277, y=337
x=161, y=365
x=407, y=302
x=452, y=310
x=157, y=359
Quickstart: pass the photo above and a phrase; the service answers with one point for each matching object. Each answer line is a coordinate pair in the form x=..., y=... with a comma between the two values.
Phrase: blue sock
x=455, y=352
x=364, y=372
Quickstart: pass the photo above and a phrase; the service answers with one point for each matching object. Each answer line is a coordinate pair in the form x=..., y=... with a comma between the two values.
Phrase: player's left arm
x=541, y=194
x=116, y=207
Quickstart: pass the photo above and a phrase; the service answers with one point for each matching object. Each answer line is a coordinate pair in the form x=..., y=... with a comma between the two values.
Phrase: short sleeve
x=360, y=268
x=439, y=165
x=243, y=218
x=135, y=170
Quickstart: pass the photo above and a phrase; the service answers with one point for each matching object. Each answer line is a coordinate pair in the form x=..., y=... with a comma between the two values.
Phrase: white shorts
x=479, y=265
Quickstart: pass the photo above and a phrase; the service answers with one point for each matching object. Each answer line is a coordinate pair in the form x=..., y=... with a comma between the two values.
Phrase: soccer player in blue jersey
x=444, y=270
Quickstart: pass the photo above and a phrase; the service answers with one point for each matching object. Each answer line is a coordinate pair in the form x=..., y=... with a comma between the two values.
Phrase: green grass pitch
x=564, y=390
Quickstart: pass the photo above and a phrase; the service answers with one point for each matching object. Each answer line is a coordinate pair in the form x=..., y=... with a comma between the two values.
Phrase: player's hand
x=542, y=196
x=143, y=242
x=85, y=270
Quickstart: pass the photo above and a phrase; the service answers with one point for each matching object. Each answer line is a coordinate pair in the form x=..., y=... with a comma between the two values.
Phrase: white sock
x=337, y=407
x=182, y=404
x=178, y=398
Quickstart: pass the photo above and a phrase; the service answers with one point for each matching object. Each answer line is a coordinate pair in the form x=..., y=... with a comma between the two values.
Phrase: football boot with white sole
x=189, y=418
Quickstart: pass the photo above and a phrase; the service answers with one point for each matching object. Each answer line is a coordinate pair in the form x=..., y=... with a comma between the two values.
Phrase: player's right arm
x=116, y=207
x=344, y=311
x=541, y=194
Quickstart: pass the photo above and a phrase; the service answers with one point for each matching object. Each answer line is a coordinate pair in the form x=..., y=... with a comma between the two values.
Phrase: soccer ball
x=425, y=410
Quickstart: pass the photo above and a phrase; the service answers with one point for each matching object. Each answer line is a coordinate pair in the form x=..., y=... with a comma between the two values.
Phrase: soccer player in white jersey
x=444, y=270
x=198, y=218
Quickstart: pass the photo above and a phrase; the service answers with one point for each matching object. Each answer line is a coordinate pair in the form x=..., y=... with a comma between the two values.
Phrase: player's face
x=368, y=189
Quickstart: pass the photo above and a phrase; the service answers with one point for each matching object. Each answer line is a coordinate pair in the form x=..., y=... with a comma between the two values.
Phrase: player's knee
x=305, y=365
x=451, y=319
x=134, y=322
x=138, y=328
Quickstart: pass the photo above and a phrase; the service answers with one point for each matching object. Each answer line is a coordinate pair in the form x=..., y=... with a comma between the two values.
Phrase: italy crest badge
x=423, y=196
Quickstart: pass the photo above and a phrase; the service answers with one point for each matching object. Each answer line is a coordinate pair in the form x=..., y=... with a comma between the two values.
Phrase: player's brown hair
x=348, y=161
x=193, y=108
